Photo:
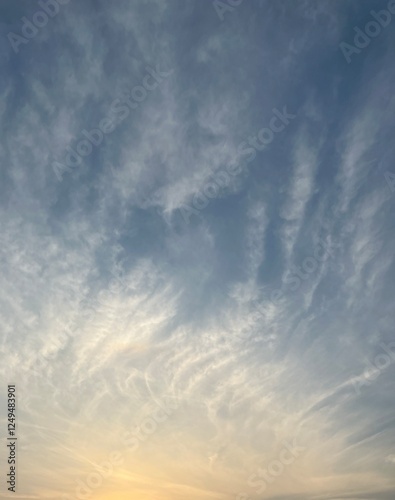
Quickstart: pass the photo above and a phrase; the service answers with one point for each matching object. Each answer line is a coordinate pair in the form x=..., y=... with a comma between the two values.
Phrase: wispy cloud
x=259, y=316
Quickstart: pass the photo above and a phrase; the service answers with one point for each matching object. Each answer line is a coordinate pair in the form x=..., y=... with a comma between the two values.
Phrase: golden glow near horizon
x=190, y=426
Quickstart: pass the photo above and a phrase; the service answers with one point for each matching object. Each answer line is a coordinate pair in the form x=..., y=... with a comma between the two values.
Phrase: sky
x=197, y=206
